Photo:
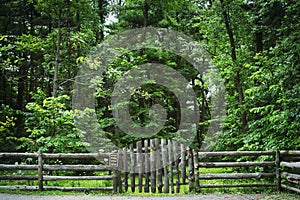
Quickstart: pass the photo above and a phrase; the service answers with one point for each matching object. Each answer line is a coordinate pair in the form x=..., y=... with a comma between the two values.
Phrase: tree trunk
x=145, y=22
x=259, y=41
x=20, y=97
x=57, y=55
x=69, y=46
x=100, y=35
x=237, y=79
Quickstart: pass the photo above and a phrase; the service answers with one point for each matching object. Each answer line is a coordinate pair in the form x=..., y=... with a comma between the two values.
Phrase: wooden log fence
x=175, y=166
x=163, y=166
x=237, y=176
x=41, y=168
x=290, y=166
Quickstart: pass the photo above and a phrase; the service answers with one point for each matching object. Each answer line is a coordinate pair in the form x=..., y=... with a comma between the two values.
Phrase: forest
x=253, y=44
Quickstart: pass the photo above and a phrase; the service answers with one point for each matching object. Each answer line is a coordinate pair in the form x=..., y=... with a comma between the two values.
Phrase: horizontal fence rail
x=236, y=153
x=235, y=164
x=236, y=176
x=139, y=167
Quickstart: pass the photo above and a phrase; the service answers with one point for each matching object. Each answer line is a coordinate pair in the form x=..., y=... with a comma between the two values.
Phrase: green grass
x=283, y=196
x=184, y=189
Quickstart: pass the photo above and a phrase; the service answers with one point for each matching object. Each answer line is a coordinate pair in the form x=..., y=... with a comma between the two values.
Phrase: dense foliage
x=254, y=44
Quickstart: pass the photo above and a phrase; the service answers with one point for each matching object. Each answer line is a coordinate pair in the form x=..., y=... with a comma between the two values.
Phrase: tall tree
x=237, y=78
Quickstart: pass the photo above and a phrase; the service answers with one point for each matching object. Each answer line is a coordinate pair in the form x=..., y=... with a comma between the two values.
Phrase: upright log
x=158, y=166
x=118, y=169
x=147, y=165
x=132, y=167
x=196, y=163
x=278, y=175
x=191, y=170
x=183, y=163
x=171, y=157
x=140, y=164
x=153, y=165
x=40, y=169
x=176, y=158
x=115, y=182
x=165, y=164
x=125, y=168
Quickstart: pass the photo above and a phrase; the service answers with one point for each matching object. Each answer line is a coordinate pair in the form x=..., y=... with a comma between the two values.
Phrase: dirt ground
x=4, y=196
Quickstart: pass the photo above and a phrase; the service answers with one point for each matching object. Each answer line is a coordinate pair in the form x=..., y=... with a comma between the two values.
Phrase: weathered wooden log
x=147, y=165
x=117, y=172
x=18, y=155
x=19, y=187
x=171, y=158
x=125, y=167
x=78, y=188
x=235, y=164
x=140, y=165
x=55, y=178
x=290, y=175
x=18, y=177
x=278, y=175
x=153, y=165
x=236, y=176
x=76, y=168
x=18, y=167
x=158, y=166
x=76, y=155
x=40, y=170
x=24, y=187
x=197, y=181
x=292, y=178
x=191, y=170
x=183, y=163
x=115, y=184
x=176, y=152
x=237, y=185
x=165, y=164
x=132, y=167
x=290, y=165
x=290, y=158
x=56, y=155
x=237, y=153
x=290, y=153
x=290, y=188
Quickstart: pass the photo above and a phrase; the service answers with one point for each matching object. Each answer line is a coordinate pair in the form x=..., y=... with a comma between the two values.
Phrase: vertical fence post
x=125, y=168
x=115, y=165
x=191, y=170
x=140, y=165
x=132, y=167
x=147, y=165
x=196, y=163
x=278, y=175
x=40, y=170
x=165, y=164
x=183, y=163
x=171, y=157
x=176, y=152
x=119, y=168
x=153, y=165
x=159, y=166
x=115, y=181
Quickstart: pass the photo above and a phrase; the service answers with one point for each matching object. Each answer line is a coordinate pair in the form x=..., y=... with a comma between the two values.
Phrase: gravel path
x=4, y=196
